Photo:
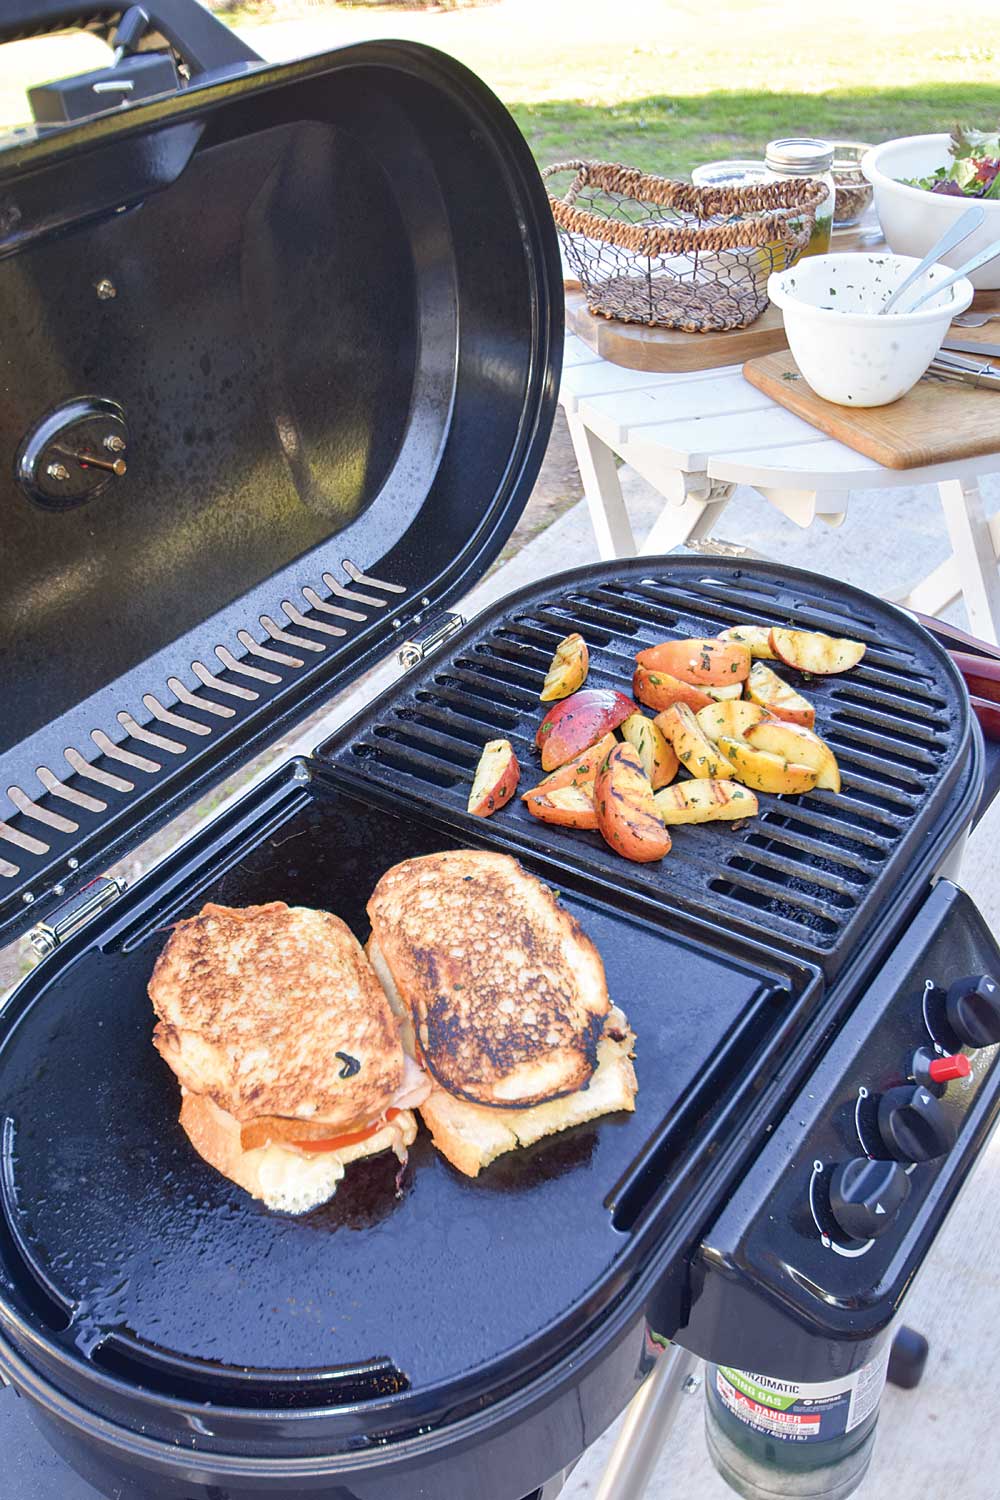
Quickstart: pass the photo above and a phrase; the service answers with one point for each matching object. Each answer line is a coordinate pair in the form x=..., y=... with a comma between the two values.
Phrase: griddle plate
x=148, y=1252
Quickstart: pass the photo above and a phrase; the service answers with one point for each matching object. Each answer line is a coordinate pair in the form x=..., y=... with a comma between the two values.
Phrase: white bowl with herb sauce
x=846, y=350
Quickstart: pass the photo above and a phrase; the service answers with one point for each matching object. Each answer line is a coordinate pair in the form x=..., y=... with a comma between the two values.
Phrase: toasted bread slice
x=505, y=991
x=284, y=1179
x=471, y=1136
x=274, y=1011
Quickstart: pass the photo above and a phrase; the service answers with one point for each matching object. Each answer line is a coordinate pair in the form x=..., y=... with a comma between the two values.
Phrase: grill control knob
x=913, y=1125
x=944, y=1069
x=865, y=1196
x=973, y=1010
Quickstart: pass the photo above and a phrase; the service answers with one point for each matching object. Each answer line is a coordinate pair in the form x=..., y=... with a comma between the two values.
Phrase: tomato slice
x=335, y=1142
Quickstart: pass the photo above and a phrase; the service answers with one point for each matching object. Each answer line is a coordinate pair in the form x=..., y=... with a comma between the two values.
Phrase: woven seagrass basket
x=649, y=250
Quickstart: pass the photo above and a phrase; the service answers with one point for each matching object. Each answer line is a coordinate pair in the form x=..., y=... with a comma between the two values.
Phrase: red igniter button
x=944, y=1069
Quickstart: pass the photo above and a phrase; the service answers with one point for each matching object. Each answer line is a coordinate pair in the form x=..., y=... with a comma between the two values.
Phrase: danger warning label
x=786, y=1424
x=797, y=1412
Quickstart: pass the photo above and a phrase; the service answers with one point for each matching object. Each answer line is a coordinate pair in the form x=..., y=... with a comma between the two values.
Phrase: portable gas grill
x=313, y=311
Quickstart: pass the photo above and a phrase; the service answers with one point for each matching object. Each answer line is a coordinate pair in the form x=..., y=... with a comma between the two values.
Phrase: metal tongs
x=979, y=664
x=958, y=367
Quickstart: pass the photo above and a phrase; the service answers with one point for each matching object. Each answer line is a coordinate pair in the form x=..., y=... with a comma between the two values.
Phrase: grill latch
x=438, y=629
x=75, y=913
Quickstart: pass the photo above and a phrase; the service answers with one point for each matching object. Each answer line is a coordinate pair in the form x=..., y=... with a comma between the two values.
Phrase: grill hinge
x=75, y=913
x=439, y=628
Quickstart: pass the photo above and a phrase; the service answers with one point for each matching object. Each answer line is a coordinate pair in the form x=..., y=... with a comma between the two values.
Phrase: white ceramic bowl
x=846, y=351
x=912, y=219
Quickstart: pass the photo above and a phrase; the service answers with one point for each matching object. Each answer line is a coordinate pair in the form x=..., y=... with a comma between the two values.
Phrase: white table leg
x=935, y=592
x=605, y=501
x=689, y=522
x=975, y=555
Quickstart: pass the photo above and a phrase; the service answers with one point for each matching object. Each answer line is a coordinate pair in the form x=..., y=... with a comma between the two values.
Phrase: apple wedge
x=659, y=759
x=733, y=719
x=764, y=771
x=773, y=693
x=572, y=726
x=659, y=690
x=698, y=660
x=727, y=694
x=800, y=746
x=570, y=806
x=568, y=669
x=696, y=752
x=627, y=816
x=496, y=778
x=705, y=802
x=575, y=772
x=757, y=637
x=811, y=651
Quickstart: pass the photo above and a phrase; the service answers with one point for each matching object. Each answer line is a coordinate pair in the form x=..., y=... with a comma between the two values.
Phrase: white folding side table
x=695, y=436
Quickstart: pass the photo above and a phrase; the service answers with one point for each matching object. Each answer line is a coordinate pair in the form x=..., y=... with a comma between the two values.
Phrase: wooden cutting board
x=662, y=350
x=933, y=423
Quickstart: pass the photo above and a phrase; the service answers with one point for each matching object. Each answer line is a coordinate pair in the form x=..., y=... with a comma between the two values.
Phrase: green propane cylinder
x=812, y=1441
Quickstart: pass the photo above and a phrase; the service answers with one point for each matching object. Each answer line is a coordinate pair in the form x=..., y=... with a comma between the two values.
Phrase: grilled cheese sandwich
x=502, y=999
x=287, y=1050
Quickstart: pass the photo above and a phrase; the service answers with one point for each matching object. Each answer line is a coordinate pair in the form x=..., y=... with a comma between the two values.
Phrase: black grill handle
x=198, y=38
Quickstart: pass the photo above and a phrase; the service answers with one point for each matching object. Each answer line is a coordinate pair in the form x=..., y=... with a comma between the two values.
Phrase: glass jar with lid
x=730, y=173
x=797, y=158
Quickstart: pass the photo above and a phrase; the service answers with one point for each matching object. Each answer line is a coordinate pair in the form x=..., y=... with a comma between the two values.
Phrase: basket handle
x=581, y=168
x=754, y=216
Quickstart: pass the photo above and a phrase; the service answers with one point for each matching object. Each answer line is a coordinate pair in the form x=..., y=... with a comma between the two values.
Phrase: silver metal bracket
x=438, y=629
x=715, y=546
x=75, y=913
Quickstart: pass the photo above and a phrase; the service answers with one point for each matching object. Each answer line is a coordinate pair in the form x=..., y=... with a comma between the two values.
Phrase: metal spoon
x=984, y=256
x=960, y=230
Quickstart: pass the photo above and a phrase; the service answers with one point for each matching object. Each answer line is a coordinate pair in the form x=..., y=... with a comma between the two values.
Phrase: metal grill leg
x=647, y=1425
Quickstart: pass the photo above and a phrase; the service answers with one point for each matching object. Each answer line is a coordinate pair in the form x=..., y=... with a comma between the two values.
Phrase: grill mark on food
x=255, y=1005
x=481, y=961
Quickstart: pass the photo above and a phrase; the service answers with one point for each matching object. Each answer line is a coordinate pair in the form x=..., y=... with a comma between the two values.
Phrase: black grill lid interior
x=326, y=297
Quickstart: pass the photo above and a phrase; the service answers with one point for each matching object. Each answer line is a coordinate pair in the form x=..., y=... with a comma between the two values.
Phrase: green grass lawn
x=661, y=85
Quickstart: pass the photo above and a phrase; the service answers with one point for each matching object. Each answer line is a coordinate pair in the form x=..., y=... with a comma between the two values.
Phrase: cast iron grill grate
x=810, y=871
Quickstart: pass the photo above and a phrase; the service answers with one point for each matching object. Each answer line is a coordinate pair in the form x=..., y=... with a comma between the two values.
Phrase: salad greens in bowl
x=914, y=205
x=974, y=170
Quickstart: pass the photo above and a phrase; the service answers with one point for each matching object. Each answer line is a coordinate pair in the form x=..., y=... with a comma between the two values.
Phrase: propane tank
x=772, y=1437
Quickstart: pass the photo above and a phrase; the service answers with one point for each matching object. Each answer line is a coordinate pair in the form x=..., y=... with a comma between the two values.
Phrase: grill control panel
x=829, y=1224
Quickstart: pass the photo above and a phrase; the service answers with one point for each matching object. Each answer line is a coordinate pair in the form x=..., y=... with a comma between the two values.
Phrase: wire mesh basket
x=650, y=250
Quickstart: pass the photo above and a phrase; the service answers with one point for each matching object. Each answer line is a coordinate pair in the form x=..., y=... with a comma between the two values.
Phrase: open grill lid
x=320, y=304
